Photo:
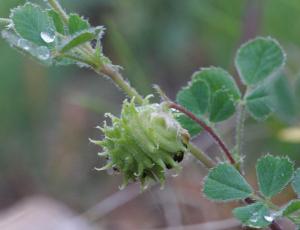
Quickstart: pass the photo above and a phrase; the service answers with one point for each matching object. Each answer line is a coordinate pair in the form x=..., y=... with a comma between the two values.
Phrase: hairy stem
x=5, y=22
x=205, y=160
x=57, y=7
x=207, y=129
x=241, y=116
x=118, y=79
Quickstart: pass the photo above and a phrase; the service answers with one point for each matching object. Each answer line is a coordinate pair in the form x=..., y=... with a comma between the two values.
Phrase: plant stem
x=207, y=129
x=205, y=160
x=5, y=22
x=241, y=116
x=57, y=7
x=114, y=74
x=108, y=70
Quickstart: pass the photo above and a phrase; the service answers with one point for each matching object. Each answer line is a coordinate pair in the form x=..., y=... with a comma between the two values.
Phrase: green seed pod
x=143, y=143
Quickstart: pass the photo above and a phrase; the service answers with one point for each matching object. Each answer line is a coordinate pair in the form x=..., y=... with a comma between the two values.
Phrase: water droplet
x=254, y=218
x=24, y=44
x=269, y=218
x=48, y=36
x=43, y=53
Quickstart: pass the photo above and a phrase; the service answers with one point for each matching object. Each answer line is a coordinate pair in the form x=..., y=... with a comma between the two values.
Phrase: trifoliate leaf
x=296, y=182
x=254, y=215
x=258, y=102
x=292, y=211
x=217, y=79
x=77, y=24
x=258, y=59
x=273, y=174
x=225, y=183
x=220, y=84
x=33, y=24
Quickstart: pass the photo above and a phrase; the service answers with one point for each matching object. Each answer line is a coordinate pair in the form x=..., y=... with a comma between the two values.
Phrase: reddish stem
x=274, y=225
x=206, y=128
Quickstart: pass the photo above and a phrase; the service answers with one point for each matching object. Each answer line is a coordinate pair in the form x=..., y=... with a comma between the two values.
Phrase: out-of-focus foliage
x=47, y=114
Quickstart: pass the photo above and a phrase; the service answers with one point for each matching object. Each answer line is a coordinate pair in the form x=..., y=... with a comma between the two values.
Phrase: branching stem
x=207, y=129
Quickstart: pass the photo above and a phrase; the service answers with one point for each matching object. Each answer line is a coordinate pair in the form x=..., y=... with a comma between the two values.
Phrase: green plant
x=150, y=138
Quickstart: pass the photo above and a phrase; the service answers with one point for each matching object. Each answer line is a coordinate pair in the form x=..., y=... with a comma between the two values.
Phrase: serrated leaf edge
x=226, y=200
x=278, y=158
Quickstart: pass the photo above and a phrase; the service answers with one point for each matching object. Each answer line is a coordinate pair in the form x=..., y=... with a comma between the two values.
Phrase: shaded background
x=47, y=114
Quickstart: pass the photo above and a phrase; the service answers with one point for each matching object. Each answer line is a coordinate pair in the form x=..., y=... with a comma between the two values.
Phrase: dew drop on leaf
x=254, y=218
x=43, y=53
x=48, y=36
x=24, y=44
x=269, y=218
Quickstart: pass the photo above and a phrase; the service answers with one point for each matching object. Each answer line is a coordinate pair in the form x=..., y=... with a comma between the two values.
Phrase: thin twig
x=207, y=129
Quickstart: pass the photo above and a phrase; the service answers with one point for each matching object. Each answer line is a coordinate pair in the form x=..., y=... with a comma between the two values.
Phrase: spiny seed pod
x=143, y=143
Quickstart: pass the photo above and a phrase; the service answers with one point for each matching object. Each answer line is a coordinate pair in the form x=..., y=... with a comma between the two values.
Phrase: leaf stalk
x=208, y=129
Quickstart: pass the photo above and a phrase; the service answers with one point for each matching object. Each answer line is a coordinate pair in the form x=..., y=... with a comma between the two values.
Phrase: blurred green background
x=47, y=114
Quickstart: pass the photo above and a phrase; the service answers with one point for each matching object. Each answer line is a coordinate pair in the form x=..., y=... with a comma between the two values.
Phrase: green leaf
x=77, y=24
x=195, y=97
x=187, y=123
x=254, y=215
x=273, y=174
x=296, y=182
x=41, y=53
x=222, y=106
x=225, y=183
x=258, y=102
x=221, y=84
x=30, y=21
x=80, y=38
x=258, y=59
x=58, y=22
x=283, y=99
x=217, y=79
x=292, y=211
